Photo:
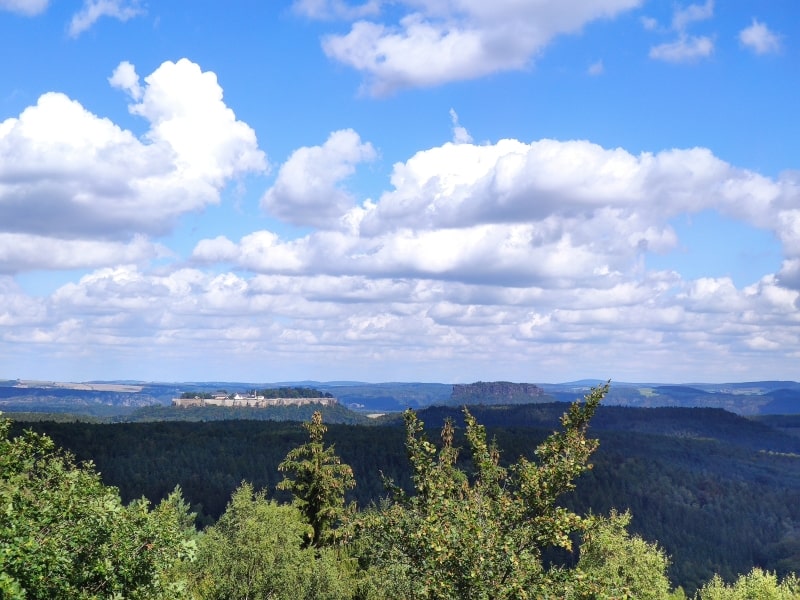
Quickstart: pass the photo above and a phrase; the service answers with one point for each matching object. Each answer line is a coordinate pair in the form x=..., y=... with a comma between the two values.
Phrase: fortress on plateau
x=251, y=401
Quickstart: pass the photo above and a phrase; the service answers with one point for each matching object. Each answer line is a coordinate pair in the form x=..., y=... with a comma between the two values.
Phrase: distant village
x=257, y=399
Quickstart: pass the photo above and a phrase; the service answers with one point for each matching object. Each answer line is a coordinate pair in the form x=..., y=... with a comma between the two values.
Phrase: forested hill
x=768, y=433
x=720, y=492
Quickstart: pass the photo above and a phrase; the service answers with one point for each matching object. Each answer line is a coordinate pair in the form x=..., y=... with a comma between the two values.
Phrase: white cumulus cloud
x=549, y=213
x=69, y=175
x=309, y=190
x=125, y=78
x=23, y=252
x=438, y=42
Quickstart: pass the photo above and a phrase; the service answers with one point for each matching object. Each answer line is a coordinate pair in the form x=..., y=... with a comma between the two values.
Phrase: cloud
x=217, y=250
x=308, y=188
x=28, y=8
x=789, y=274
x=83, y=20
x=596, y=68
x=550, y=214
x=714, y=295
x=187, y=114
x=23, y=252
x=684, y=49
x=70, y=176
x=17, y=309
x=758, y=38
x=335, y=9
x=435, y=43
x=543, y=245
x=683, y=17
x=95, y=9
x=649, y=23
x=512, y=182
x=320, y=323
x=460, y=134
x=687, y=48
x=125, y=78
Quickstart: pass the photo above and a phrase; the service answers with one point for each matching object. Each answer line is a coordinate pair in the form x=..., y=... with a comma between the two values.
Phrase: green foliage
x=696, y=480
x=480, y=535
x=256, y=551
x=63, y=534
x=613, y=564
x=318, y=480
x=191, y=395
x=293, y=392
x=756, y=585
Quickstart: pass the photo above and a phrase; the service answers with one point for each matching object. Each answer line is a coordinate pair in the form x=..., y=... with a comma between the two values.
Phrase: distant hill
x=497, y=392
x=117, y=398
x=749, y=398
x=783, y=402
x=389, y=396
x=678, y=391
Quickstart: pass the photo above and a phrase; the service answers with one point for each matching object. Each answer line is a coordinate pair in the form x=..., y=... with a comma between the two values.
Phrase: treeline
x=293, y=392
x=718, y=492
x=335, y=413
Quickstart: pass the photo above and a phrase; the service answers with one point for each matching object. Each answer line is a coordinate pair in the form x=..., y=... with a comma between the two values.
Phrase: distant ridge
x=497, y=392
x=679, y=390
x=119, y=397
x=583, y=383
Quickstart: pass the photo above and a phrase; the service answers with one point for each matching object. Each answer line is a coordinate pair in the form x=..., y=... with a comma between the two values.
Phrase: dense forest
x=720, y=493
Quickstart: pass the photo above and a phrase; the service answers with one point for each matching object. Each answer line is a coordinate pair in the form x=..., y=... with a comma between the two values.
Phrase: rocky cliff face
x=497, y=392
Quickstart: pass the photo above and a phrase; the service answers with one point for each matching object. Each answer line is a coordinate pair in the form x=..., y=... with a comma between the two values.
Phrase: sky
x=405, y=190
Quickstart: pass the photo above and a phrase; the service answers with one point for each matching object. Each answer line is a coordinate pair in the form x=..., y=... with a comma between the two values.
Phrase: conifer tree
x=318, y=480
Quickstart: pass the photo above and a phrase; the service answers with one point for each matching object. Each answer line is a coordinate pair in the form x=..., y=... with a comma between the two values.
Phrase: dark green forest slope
x=719, y=492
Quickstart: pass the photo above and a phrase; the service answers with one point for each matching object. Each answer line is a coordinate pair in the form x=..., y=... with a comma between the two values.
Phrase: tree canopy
x=63, y=534
x=318, y=481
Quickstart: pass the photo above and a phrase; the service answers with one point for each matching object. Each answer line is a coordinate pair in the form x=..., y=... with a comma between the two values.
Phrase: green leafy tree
x=256, y=551
x=479, y=535
x=616, y=565
x=756, y=585
x=65, y=535
x=318, y=480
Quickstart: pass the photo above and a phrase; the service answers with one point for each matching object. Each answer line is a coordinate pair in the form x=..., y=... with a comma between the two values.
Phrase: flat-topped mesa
x=497, y=392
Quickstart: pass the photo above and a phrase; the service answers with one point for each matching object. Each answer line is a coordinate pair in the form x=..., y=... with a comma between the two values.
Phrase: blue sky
x=416, y=190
